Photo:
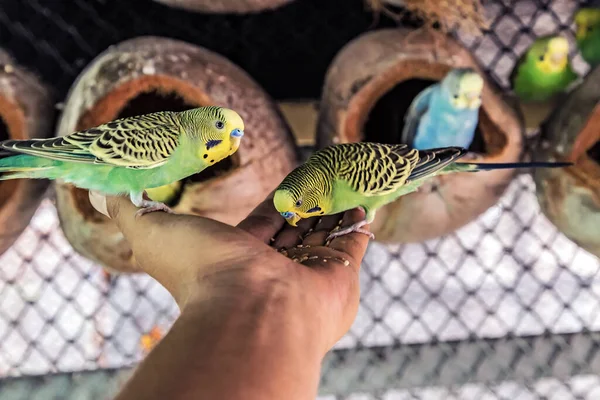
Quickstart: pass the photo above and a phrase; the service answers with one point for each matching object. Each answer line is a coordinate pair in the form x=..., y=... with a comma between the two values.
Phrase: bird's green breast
x=346, y=198
x=590, y=47
x=117, y=180
x=531, y=83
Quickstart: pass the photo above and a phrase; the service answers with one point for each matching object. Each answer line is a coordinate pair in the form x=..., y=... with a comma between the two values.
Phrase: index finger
x=264, y=221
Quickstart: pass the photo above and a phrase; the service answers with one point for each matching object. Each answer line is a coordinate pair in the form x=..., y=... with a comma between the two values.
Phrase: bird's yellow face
x=235, y=126
x=586, y=19
x=295, y=207
x=468, y=95
x=223, y=133
x=555, y=57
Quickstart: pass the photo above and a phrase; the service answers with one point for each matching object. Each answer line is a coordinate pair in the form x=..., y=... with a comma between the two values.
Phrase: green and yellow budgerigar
x=130, y=155
x=543, y=71
x=587, y=21
x=368, y=175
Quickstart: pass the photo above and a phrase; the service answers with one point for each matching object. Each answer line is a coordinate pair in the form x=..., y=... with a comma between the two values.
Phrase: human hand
x=198, y=259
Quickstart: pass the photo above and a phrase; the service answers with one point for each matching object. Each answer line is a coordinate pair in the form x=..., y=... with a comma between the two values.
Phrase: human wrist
x=261, y=338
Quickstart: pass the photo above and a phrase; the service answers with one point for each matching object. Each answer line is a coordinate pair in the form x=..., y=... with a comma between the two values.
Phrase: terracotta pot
x=570, y=197
x=26, y=111
x=359, y=104
x=151, y=74
x=225, y=6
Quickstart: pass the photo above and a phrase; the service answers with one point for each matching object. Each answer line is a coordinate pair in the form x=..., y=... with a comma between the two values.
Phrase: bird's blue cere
x=287, y=214
x=237, y=133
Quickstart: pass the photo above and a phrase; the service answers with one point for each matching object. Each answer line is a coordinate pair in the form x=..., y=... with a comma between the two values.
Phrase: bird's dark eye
x=299, y=203
x=219, y=124
x=456, y=96
x=314, y=209
x=542, y=57
x=589, y=28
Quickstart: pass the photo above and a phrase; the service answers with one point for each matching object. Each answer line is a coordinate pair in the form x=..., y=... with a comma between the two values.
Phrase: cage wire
x=504, y=308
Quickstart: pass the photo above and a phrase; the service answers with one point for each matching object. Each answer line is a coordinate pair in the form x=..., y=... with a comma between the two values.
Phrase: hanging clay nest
x=570, y=197
x=225, y=6
x=152, y=74
x=26, y=112
x=448, y=14
x=369, y=88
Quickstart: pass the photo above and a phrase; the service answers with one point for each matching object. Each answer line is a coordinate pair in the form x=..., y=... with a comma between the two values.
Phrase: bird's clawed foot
x=152, y=206
x=357, y=227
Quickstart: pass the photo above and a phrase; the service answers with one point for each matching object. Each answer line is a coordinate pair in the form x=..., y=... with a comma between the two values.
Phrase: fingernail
x=98, y=202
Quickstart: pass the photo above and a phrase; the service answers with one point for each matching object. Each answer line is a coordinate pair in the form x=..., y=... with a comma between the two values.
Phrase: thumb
x=175, y=249
x=98, y=201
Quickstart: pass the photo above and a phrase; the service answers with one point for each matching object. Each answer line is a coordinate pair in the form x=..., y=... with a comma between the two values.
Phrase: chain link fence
x=504, y=308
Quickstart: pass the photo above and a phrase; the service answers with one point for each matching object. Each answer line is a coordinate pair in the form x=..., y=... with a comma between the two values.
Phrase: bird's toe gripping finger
x=152, y=207
x=346, y=231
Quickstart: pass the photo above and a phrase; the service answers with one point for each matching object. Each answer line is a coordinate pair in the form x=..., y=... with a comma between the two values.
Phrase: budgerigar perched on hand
x=130, y=155
x=445, y=114
x=367, y=175
x=543, y=71
x=588, y=34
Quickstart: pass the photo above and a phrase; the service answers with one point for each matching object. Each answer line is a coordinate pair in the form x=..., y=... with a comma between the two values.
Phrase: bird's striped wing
x=433, y=160
x=374, y=169
x=144, y=141
x=417, y=109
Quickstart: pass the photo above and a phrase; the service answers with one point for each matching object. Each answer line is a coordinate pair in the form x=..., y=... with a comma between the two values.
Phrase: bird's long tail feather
x=474, y=167
x=22, y=166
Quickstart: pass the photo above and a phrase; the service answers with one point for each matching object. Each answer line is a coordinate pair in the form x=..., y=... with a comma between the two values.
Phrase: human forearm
x=266, y=347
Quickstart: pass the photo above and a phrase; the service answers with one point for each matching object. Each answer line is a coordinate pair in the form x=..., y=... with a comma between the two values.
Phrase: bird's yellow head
x=586, y=20
x=554, y=56
x=464, y=86
x=302, y=194
x=219, y=129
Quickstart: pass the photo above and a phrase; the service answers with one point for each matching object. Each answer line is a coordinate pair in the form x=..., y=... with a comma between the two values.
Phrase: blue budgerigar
x=446, y=113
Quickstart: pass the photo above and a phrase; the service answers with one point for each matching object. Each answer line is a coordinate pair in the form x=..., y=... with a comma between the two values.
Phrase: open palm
x=195, y=256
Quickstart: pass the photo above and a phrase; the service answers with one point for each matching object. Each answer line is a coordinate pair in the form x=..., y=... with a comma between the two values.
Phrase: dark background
x=286, y=50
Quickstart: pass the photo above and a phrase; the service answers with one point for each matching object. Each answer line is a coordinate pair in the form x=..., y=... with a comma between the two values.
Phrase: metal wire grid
x=505, y=308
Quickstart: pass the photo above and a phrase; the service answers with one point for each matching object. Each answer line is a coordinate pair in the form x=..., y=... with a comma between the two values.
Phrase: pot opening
x=594, y=152
x=385, y=122
x=7, y=188
x=3, y=130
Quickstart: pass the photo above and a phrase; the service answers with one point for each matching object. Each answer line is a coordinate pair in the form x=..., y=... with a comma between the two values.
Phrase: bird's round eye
x=542, y=57
x=299, y=203
x=456, y=96
x=219, y=124
x=589, y=28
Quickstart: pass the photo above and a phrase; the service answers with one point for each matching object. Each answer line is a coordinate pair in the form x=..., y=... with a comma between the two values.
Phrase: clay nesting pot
x=151, y=74
x=368, y=89
x=570, y=197
x=225, y=6
x=26, y=111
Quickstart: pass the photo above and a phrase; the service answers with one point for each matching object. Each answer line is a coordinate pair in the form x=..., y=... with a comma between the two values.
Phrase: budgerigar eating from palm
x=368, y=175
x=446, y=113
x=130, y=155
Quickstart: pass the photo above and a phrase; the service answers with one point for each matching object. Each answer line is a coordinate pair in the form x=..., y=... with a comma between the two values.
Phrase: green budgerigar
x=588, y=34
x=368, y=175
x=130, y=155
x=544, y=70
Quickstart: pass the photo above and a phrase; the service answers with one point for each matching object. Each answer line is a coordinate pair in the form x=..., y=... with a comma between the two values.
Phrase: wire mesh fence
x=504, y=308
